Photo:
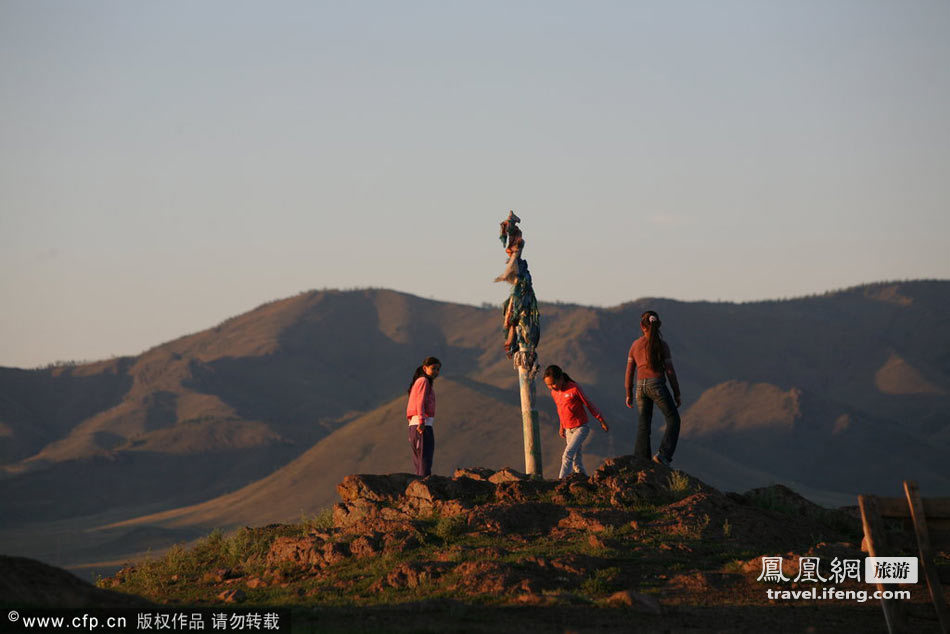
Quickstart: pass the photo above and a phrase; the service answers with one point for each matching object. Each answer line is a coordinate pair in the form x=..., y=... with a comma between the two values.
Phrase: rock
x=596, y=520
x=533, y=598
x=429, y=491
x=487, y=577
x=578, y=566
x=256, y=582
x=523, y=490
x=401, y=541
x=366, y=545
x=621, y=465
x=302, y=551
x=410, y=575
x=335, y=552
x=373, y=488
x=638, y=601
x=596, y=542
x=235, y=595
x=702, y=583
x=507, y=475
x=347, y=514
x=474, y=473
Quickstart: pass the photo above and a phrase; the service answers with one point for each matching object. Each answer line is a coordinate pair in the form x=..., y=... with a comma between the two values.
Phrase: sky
x=167, y=165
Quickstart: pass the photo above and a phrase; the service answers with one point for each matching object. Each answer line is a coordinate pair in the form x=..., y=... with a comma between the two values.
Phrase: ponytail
x=420, y=371
x=556, y=373
x=650, y=322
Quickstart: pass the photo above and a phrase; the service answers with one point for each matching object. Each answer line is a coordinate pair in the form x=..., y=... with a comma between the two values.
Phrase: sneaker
x=661, y=460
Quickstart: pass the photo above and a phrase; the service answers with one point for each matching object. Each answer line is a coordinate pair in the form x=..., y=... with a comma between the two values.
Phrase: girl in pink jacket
x=421, y=415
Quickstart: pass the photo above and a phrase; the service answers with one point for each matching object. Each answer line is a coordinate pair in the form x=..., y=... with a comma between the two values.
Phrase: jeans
x=573, y=459
x=423, y=447
x=650, y=391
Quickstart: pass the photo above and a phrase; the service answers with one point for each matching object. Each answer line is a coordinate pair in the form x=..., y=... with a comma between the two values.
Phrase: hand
x=603, y=425
x=678, y=399
x=421, y=427
x=629, y=401
x=560, y=432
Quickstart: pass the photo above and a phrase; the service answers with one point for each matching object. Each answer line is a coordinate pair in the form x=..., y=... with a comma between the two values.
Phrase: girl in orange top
x=571, y=401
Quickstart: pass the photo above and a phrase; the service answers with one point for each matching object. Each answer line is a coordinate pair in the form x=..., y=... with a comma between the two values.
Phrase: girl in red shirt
x=420, y=413
x=571, y=401
x=650, y=361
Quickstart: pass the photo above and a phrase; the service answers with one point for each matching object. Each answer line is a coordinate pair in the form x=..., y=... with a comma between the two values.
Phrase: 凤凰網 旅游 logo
x=810, y=569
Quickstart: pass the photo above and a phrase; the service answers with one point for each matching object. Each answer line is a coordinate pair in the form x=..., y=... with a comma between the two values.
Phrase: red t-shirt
x=570, y=404
x=641, y=356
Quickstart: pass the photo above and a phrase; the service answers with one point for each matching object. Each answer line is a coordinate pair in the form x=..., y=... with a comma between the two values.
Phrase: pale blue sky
x=166, y=165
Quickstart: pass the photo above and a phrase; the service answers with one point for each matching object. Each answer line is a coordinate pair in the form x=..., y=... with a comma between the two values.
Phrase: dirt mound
x=633, y=536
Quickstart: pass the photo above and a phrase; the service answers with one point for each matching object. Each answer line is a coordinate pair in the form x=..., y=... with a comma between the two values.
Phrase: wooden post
x=926, y=553
x=874, y=534
x=523, y=330
x=529, y=420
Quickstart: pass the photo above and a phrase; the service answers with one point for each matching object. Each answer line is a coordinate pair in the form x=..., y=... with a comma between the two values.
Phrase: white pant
x=573, y=459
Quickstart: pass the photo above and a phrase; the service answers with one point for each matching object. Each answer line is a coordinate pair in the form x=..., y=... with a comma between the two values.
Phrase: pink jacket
x=421, y=400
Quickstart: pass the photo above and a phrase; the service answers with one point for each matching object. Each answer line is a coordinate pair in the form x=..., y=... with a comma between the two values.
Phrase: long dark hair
x=556, y=373
x=651, y=323
x=420, y=372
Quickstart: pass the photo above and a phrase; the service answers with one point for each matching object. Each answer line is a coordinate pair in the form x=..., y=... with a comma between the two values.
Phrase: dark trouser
x=650, y=391
x=423, y=446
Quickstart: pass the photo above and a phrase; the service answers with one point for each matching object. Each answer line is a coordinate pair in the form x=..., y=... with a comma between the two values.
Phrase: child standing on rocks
x=571, y=401
x=649, y=360
x=421, y=415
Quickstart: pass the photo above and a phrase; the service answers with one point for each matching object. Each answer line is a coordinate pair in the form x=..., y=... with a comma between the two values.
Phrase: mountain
x=256, y=419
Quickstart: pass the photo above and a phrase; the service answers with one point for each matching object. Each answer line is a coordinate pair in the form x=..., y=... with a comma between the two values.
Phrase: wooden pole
x=874, y=535
x=529, y=420
x=522, y=325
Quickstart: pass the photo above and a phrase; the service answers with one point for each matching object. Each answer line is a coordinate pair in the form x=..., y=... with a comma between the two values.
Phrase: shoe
x=661, y=460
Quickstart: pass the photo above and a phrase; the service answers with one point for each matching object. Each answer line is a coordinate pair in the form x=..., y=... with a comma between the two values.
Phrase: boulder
x=507, y=475
x=374, y=488
x=474, y=473
x=302, y=551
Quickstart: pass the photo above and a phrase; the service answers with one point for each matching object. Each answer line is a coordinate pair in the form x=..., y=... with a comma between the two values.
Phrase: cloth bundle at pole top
x=522, y=321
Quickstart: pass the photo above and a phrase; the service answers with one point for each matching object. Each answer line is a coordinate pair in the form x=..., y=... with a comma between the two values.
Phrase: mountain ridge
x=855, y=377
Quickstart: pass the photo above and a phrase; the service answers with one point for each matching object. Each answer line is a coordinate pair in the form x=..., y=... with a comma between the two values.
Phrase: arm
x=629, y=379
x=415, y=411
x=426, y=395
x=671, y=375
x=593, y=408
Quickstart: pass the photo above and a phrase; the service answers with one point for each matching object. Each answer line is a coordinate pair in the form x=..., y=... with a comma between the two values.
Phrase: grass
x=679, y=485
x=448, y=527
x=601, y=582
x=320, y=522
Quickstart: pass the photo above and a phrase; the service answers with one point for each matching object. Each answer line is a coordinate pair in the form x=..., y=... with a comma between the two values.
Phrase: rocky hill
x=257, y=419
x=636, y=545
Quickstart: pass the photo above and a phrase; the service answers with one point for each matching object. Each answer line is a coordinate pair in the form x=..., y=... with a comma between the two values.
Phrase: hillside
x=635, y=546
x=256, y=419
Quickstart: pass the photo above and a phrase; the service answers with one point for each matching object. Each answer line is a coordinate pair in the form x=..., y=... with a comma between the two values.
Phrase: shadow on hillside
x=44, y=405
x=131, y=479
x=339, y=344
